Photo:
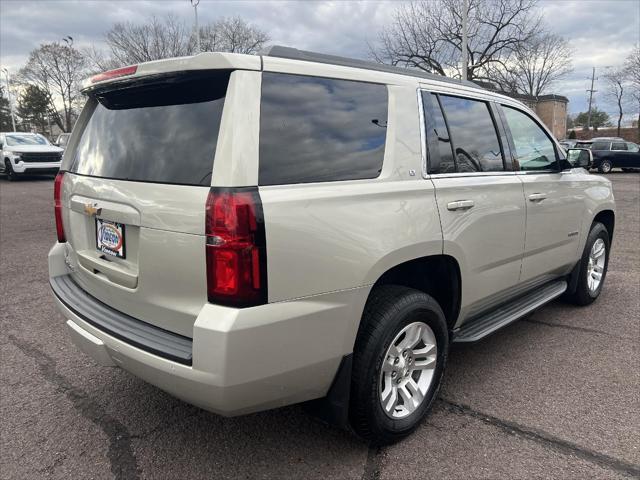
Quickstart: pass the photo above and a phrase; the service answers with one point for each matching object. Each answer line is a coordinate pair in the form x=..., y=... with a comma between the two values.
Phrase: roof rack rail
x=295, y=54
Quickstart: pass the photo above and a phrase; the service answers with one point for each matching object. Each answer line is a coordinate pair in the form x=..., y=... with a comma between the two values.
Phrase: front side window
x=316, y=129
x=632, y=147
x=534, y=150
x=473, y=133
x=618, y=146
x=601, y=146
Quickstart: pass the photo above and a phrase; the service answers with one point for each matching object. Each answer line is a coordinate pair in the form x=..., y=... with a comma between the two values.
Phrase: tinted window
x=618, y=146
x=534, y=150
x=165, y=131
x=318, y=130
x=439, y=143
x=600, y=146
x=473, y=134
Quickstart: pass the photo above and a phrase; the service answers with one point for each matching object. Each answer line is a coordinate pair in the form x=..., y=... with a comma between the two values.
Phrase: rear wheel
x=398, y=363
x=593, y=266
x=605, y=166
x=8, y=170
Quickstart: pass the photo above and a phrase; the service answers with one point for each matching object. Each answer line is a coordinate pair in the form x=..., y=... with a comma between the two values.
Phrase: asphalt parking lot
x=554, y=396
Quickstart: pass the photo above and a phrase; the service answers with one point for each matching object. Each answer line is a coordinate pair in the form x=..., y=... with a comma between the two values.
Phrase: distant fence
x=629, y=134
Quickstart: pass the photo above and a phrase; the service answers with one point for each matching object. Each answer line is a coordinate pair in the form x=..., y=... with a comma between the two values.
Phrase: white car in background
x=28, y=153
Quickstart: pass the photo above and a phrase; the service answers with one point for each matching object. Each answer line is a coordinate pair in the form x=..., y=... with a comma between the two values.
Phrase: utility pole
x=195, y=3
x=13, y=116
x=591, y=92
x=465, y=60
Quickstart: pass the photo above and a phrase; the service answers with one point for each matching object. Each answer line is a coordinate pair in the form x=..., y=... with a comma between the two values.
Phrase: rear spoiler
x=202, y=61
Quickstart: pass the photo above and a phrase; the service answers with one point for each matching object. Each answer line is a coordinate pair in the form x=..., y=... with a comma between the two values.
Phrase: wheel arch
x=436, y=275
x=608, y=219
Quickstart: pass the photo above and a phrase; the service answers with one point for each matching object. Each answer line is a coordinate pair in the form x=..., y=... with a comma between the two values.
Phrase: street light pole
x=465, y=60
x=195, y=3
x=13, y=116
x=591, y=92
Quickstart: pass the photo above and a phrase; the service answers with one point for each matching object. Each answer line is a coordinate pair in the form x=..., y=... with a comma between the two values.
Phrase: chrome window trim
x=472, y=174
x=423, y=135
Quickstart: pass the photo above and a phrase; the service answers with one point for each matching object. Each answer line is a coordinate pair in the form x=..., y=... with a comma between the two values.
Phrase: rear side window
x=440, y=153
x=161, y=130
x=473, y=134
x=600, y=146
x=320, y=130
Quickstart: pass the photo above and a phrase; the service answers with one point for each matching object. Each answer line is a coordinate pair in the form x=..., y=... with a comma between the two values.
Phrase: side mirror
x=580, y=157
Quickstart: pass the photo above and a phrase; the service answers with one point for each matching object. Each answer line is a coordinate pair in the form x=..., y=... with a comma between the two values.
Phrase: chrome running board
x=479, y=328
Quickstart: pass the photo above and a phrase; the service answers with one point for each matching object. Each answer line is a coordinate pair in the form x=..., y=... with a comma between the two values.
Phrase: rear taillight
x=235, y=247
x=57, y=206
x=118, y=72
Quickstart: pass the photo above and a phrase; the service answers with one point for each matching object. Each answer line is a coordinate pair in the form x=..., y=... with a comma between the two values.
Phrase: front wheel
x=8, y=170
x=398, y=362
x=605, y=166
x=593, y=266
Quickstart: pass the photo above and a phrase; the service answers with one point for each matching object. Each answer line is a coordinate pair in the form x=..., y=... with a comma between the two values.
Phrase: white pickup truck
x=28, y=153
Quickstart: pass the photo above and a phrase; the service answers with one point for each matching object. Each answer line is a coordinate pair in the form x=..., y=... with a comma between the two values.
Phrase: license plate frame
x=110, y=238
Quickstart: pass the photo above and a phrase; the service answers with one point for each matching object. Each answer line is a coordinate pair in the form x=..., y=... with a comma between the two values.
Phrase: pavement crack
x=571, y=327
x=120, y=452
x=373, y=464
x=546, y=439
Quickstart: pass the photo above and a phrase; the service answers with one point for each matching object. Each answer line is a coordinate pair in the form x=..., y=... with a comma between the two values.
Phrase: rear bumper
x=243, y=360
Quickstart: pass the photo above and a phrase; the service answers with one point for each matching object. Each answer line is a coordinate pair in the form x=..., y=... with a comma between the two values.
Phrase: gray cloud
x=601, y=31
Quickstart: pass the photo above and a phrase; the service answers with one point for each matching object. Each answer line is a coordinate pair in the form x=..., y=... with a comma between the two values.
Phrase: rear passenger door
x=554, y=198
x=479, y=197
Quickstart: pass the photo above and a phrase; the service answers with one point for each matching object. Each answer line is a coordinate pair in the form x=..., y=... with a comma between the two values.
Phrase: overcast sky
x=601, y=31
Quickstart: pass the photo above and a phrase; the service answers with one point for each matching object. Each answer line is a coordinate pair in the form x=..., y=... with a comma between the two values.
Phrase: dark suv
x=608, y=154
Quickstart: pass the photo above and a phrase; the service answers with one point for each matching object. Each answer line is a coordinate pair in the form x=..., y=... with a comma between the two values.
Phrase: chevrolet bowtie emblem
x=92, y=209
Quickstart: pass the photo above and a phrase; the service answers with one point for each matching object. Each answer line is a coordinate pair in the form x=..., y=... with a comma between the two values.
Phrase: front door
x=554, y=200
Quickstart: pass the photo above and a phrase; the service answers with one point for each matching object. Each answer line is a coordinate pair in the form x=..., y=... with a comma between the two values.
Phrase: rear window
x=161, y=130
x=320, y=130
x=473, y=133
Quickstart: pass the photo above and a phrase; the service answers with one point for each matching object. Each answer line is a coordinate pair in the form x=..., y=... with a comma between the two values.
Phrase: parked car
x=567, y=144
x=248, y=232
x=62, y=140
x=28, y=153
x=608, y=154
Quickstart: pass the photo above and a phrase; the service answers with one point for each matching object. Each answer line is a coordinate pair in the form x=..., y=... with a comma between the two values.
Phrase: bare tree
x=232, y=35
x=58, y=70
x=428, y=35
x=130, y=43
x=632, y=66
x=616, y=80
x=534, y=65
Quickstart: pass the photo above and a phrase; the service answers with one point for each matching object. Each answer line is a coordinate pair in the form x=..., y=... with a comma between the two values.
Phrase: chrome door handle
x=460, y=205
x=537, y=197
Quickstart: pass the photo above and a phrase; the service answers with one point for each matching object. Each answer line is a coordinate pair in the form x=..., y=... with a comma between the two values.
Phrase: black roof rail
x=295, y=54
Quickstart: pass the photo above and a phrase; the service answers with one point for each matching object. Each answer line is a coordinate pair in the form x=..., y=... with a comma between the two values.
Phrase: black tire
x=8, y=170
x=605, y=166
x=389, y=309
x=583, y=295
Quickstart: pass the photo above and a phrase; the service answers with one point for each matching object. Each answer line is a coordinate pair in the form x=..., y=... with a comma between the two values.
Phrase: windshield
x=15, y=140
x=162, y=131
